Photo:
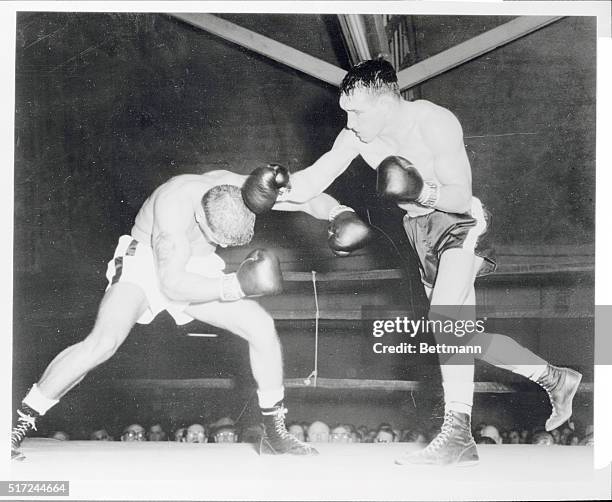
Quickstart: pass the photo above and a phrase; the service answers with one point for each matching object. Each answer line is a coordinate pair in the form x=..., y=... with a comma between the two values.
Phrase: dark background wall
x=109, y=106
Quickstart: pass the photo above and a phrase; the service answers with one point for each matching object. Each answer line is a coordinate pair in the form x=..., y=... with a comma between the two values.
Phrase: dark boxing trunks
x=435, y=232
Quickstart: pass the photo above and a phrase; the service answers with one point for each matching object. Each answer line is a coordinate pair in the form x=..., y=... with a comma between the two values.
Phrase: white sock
x=459, y=407
x=39, y=402
x=458, y=396
x=268, y=398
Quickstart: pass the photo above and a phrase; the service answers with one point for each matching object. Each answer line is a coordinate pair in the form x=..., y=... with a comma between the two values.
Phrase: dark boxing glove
x=263, y=186
x=398, y=180
x=258, y=275
x=346, y=231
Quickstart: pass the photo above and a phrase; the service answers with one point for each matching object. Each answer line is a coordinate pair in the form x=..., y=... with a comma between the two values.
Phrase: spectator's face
x=384, y=437
x=556, y=435
x=574, y=440
x=491, y=432
x=544, y=439
x=318, y=432
x=296, y=431
x=100, y=435
x=340, y=435
x=156, y=433
x=514, y=437
x=226, y=435
x=371, y=436
x=61, y=436
x=134, y=432
x=524, y=436
x=179, y=435
x=195, y=434
x=565, y=434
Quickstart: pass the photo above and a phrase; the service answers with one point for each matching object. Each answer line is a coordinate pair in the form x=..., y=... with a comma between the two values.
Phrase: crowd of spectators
x=225, y=430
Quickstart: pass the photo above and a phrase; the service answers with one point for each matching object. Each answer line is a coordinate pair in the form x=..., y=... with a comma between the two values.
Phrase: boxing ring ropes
x=182, y=471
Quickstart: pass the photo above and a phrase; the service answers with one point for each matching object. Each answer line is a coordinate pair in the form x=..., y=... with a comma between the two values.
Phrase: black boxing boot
x=276, y=440
x=454, y=444
x=25, y=423
x=561, y=385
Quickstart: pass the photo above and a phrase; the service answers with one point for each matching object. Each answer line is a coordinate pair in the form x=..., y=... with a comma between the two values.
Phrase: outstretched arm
x=319, y=207
x=313, y=180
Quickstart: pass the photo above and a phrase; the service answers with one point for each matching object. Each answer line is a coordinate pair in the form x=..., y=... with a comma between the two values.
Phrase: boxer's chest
x=407, y=144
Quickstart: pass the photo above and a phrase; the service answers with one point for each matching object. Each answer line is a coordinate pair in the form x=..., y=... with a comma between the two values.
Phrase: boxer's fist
x=346, y=231
x=258, y=275
x=398, y=180
x=263, y=186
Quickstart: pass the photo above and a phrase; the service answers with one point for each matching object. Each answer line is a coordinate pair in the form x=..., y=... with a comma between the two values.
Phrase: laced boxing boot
x=561, y=385
x=26, y=422
x=454, y=445
x=276, y=440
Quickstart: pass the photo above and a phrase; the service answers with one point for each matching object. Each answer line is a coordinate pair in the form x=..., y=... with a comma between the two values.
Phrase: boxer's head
x=369, y=94
x=374, y=76
x=225, y=220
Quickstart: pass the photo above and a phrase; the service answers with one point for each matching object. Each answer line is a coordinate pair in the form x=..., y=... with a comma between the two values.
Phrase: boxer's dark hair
x=375, y=75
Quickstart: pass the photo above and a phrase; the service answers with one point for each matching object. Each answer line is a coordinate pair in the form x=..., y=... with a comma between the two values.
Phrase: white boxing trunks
x=134, y=262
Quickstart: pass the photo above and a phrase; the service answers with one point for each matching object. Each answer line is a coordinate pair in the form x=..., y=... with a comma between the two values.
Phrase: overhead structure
x=365, y=36
x=471, y=49
x=266, y=46
x=368, y=36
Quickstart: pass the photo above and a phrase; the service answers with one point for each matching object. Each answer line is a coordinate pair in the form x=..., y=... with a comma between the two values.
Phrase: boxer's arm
x=443, y=135
x=313, y=180
x=172, y=250
x=319, y=207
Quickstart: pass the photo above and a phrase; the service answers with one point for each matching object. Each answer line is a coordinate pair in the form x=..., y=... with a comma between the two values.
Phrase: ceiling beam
x=470, y=49
x=272, y=49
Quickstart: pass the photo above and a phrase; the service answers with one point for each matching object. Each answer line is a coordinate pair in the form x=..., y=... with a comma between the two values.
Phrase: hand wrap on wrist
x=229, y=288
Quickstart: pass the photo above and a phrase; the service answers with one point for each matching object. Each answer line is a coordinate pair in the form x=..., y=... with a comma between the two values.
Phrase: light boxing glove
x=258, y=275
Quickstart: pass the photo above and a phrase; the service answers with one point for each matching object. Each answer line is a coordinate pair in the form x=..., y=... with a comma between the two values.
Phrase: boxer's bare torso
x=180, y=200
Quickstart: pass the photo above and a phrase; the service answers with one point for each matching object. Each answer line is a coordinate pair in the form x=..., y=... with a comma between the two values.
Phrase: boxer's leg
x=453, y=299
x=247, y=319
x=119, y=309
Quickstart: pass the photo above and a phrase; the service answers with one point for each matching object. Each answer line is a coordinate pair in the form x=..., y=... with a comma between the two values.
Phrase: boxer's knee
x=101, y=345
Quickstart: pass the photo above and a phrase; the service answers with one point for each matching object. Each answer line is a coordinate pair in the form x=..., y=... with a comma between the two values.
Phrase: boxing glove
x=258, y=275
x=263, y=186
x=398, y=180
x=346, y=231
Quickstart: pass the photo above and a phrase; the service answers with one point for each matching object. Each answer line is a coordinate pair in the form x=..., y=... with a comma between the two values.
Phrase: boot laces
x=281, y=429
x=25, y=423
x=443, y=435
